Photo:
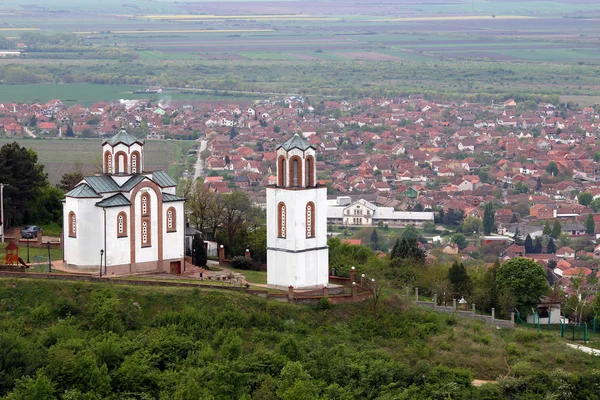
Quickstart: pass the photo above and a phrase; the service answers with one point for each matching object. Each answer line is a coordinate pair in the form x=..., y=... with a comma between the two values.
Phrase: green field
x=86, y=93
x=60, y=156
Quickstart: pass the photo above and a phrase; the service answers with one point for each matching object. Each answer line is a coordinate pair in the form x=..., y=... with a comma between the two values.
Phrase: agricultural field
x=339, y=48
x=60, y=156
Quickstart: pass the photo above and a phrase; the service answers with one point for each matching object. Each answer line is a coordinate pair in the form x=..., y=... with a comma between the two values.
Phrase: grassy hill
x=76, y=340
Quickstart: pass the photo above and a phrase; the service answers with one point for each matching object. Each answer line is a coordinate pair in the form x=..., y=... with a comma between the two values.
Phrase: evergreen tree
x=590, y=225
x=442, y=216
x=69, y=179
x=25, y=181
x=551, y=247
x=538, y=246
x=547, y=230
x=529, y=247
x=489, y=218
x=408, y=249
x=198, y=251
x=32, y=120
x=517, y=237
x=374, y=240
x=514, y=219
x=70, y=132
x=460, y=280
x=538, y=184
x=552, y=169
x=556, y=229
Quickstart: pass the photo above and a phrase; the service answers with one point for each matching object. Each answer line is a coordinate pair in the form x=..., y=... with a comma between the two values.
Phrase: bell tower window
x=295, y=171
x=281, y=220
x=281, y=171
x=310, y=220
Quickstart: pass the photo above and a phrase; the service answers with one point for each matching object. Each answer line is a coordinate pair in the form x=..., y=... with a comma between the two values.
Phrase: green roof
x=102, y=183
x=162, y=179
x=123, y=137
x=296, y=142
x=168, y=198
x=82, y=191
x=130, y=184
x=117, y=200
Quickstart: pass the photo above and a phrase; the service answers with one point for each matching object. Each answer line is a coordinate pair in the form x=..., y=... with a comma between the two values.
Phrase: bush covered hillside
x=71, y=340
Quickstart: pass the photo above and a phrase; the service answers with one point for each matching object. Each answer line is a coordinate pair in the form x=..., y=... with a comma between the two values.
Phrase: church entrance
x=175, y=268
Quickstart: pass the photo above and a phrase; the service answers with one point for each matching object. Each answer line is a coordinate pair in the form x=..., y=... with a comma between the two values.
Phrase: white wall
x=83, y=250
x=173, y=241
x=117, y=249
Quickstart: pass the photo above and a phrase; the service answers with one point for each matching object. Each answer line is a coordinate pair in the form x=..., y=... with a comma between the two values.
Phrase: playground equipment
x=12, y=255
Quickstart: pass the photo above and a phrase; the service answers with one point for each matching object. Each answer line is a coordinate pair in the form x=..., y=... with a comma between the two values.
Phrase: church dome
x=123, y=137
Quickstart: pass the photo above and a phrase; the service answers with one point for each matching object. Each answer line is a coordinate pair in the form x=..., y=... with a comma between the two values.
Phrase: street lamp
x=101, y=255
x=49, y=263
x=2, y=209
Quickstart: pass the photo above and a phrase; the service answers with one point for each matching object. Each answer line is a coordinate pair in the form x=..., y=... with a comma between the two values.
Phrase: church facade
x=125, y=220
x=297, y=252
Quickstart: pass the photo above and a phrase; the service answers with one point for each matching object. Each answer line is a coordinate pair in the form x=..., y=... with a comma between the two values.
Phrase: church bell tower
x=297, y=252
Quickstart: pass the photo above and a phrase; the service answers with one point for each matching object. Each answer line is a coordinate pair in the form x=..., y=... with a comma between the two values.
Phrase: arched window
x=120, y=163
x=281, y=171
x=171, y=220
x=295, y=171
x=107, y=162
x=135, y=157
x=310, y=220
x=122, y=225
x=146, y=230
x=281, y=220
x=72, y=224
x=310, y=171
x=145, y=204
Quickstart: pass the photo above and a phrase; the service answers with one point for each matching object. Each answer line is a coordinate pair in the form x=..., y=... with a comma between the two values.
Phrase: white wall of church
x=118, y=250
x=173, y=241
x=88, y=220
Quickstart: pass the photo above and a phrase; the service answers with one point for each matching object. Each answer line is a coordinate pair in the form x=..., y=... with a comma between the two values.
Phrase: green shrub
x=241, y=262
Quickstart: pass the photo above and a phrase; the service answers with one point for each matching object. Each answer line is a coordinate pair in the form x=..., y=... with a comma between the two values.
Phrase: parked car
x=30, y=232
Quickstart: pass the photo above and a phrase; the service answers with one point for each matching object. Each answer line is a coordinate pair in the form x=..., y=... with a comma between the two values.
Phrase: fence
x=490, y=319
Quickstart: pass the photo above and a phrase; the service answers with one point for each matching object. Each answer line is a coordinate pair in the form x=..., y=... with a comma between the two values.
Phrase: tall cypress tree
x=556, y=229
x=590, y=225
x=529, y=247
x=547, y=230
x=489, y=218
x=551, y=248
x=538, y=246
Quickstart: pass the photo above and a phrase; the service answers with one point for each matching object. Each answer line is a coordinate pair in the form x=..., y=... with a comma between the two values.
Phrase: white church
x=125, y=220
x=297, y=252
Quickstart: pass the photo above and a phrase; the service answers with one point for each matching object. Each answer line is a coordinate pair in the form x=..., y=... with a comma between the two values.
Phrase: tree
x=472, y=224
x=551, y=247
x=32, y=120
x=538, y=246
x=556, y=229
x=552, y=169
x=489, y=218
x=460, y=240
x=585, y=198
x=590, y=225
x=408, y=249
x=538, y=184
x=524, y=280
x=547, y=230
x=374, y=240
x=460, y=280
x=529, y=247
x=198, y=251
x=69, y=180
x=410, y=232
x=69, y=132
x=24, y=179
x=235, y=208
